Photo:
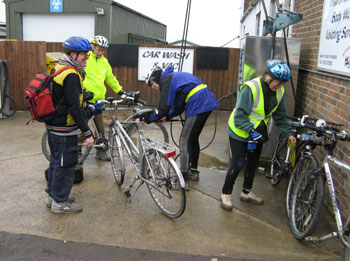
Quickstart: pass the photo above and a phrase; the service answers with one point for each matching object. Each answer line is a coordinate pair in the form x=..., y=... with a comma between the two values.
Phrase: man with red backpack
x=66, y=124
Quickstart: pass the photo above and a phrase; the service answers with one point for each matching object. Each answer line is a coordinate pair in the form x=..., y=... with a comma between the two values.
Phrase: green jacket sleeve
x=280, y=119
x=112, y=80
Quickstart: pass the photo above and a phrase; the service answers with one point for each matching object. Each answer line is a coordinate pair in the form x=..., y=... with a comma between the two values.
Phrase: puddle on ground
x=211, y=162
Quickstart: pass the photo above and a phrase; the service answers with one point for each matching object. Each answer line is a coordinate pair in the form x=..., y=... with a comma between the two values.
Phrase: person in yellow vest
x=98, y=71
x=67, y=123
x=258, y=100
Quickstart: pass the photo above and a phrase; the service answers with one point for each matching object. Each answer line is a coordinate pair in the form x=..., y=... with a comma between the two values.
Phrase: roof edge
x=135, y=12
x=246, y=13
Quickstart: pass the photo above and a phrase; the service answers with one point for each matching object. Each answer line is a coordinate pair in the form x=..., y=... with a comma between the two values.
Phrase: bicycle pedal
x=127, y=194
x=268, y=176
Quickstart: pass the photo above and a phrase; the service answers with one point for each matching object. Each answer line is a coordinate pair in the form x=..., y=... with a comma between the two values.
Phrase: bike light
x=170, y=154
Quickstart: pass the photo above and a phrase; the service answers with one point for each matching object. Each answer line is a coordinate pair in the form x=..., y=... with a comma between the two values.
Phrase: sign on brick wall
x=334, y=49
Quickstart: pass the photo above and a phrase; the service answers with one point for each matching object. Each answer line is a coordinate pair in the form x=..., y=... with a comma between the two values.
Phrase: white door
x=57, y=27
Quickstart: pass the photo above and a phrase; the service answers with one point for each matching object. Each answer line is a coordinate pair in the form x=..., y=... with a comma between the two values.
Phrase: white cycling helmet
x=100, y=40
x=154, y=74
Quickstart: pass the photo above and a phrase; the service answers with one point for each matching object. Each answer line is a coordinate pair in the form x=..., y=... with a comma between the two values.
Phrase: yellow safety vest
x=257, y=113
x=194, y=90
x=60, y=78
x=248, y=73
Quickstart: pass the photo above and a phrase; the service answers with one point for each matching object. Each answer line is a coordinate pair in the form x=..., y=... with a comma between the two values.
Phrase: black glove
x=121, y=92
x=88, y=113
x=146, y=118
x=87, y=95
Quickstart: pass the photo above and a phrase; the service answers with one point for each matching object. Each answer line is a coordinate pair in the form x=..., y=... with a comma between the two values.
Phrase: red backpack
x=39, y=95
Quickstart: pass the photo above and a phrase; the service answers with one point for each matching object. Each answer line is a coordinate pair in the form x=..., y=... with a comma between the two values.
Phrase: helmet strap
x=268, y=79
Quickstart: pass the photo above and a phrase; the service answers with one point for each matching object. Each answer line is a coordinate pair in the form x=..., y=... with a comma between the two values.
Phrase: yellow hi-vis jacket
x=98, y=70
x=257, y=113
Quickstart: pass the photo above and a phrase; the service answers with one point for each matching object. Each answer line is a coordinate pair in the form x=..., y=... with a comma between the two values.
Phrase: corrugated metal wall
x=26, y=58
x=115, y=28
x=134, y=23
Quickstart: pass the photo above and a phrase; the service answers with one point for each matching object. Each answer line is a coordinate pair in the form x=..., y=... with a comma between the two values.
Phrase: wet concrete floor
x=248, y=232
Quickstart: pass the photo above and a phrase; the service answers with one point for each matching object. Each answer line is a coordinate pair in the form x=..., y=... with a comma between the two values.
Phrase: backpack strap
x=62, y=69
x=53, y=73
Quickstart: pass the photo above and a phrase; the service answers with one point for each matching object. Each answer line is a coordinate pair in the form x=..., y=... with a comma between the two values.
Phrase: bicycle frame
x=286, y=160
x=138, y=159
x=140, y=165
x=338, y=219
x=125, y=139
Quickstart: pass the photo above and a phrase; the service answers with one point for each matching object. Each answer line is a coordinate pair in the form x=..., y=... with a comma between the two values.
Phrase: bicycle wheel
x=307, y=163
x=164, y=185
x=83, y=151
x=117, y=157
x=12, y=105
x=45, y=145
x=306, y=204
x=346, y=236
x=278, y=165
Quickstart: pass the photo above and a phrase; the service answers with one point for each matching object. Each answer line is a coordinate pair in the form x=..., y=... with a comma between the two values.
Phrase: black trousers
x=189, y=142
x=239, y=154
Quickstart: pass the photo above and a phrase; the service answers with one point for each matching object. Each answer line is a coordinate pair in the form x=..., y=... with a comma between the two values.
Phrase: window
x=257, y=22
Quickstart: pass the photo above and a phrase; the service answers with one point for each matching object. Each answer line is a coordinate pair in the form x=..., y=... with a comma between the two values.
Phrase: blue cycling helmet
x=76, y=44
x=278, y=70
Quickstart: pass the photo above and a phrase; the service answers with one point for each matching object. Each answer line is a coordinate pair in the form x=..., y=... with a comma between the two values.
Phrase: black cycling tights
x=189, y=141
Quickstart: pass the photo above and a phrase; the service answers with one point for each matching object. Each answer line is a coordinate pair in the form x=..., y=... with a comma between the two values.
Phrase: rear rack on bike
x=166, y=149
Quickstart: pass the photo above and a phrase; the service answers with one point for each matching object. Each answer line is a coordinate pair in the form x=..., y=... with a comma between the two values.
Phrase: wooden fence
x=26, y=58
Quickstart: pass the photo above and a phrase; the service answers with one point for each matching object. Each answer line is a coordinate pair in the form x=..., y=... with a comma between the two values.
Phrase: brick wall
x=322, y=95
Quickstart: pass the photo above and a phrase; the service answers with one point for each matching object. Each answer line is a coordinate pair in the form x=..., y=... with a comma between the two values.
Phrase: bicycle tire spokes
x=83, y=151
x=306, y=204
x=346, y=234
x=280, y=163
x=305, y=163
x=157, y=172
x=162, y=180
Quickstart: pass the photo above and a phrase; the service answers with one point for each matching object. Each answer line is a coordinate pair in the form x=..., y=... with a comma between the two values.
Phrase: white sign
x=334, y=49
x=163, y=57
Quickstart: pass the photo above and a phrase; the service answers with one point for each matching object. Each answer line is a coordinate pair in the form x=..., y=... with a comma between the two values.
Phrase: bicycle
x=101, y=143
x=306, y=161
x=308, y=193
x=280, y=162
x=152, y=159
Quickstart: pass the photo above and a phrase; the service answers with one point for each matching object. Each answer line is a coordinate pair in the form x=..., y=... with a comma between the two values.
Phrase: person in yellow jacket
x=98, y=71
x=258, y=100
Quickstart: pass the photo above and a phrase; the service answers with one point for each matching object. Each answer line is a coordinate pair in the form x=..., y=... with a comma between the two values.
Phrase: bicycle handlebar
x=335, y=133
x=309, y=120
x=131, y=98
